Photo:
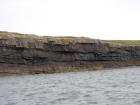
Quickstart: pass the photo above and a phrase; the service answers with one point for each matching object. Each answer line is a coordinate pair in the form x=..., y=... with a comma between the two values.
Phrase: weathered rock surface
x=37, y=52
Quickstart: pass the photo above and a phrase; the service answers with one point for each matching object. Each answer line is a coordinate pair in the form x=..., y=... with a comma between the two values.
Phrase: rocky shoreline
x=26, y=54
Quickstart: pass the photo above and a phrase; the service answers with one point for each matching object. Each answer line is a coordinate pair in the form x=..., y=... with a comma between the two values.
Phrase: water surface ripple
x=105, y=87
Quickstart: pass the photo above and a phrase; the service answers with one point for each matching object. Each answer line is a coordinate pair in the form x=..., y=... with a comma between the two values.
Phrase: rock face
x=58, y=53
x=16, y=52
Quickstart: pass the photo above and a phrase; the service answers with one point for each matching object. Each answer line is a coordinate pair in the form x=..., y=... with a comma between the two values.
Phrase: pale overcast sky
x=102, y=19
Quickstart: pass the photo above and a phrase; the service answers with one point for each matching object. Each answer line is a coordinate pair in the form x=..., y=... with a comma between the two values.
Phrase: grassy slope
x=64, y=40
x=125, y=42
x=45, y=39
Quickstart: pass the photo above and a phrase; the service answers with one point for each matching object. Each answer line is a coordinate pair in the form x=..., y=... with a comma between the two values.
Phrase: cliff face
x=23, y=51
x=58, y=53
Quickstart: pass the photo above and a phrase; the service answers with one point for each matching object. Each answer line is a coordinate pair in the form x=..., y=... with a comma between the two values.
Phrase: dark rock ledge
x=23, y=54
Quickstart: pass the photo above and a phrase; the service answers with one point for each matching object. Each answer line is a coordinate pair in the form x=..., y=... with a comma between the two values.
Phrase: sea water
x=102, y=87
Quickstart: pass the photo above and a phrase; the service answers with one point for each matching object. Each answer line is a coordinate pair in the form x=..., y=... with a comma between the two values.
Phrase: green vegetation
x=14, y=37
x=125, y=42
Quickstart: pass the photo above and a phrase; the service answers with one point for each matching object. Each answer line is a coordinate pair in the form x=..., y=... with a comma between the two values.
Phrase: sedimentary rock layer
x=34, y=54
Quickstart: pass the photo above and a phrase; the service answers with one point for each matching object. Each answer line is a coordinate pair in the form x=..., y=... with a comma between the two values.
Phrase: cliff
x=23, y=53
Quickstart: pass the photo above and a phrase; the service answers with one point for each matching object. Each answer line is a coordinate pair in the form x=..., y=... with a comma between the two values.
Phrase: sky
x=100, y=19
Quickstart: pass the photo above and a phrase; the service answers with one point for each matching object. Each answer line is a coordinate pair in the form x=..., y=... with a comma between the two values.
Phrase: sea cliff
x=23, y=53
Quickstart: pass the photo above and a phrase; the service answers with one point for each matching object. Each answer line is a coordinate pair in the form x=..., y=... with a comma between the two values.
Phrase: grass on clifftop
x=125, y=42
x=13, y=36
x=46, y=39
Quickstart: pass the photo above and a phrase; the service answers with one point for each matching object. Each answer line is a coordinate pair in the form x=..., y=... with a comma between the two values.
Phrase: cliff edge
x=23, y=53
